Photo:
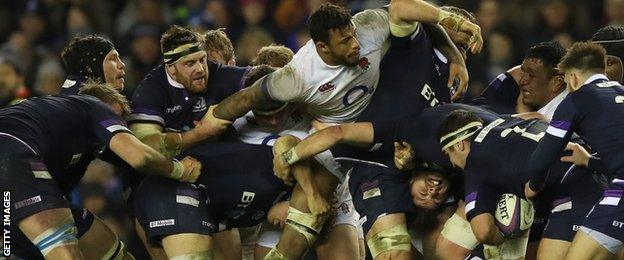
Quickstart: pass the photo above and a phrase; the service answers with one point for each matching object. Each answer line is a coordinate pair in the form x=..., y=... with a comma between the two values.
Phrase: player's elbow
x=398, y=10
x=487, y=234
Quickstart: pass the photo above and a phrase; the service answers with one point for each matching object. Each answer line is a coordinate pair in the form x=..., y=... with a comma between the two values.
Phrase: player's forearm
x=443, y=42
x=240, y=103
x=192, y=137
x=547, y=152
x=410, y=11
x=140, y=156
x=168, y=144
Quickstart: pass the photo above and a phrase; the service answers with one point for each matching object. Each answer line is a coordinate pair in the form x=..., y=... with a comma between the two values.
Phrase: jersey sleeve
x=148, y=104
x=480, y=197
x=105, y=123
x=373, y=26
x=500, y=95
x=387, y=131
x=550, y=147
x=284, y=85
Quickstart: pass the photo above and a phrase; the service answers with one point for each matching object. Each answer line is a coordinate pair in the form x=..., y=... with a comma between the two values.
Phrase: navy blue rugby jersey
x=65, y=131
x=160, y=100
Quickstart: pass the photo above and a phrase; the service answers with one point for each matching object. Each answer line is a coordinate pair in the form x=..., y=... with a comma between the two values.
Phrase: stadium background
x=32, y=33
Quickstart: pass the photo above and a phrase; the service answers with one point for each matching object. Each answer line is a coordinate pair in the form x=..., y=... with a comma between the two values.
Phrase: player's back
x=65, y=131
x=239, y=181
x=500, y=152
x=600, y=117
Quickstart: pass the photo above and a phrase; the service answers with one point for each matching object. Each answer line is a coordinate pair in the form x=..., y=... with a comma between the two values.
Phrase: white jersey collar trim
x=595, y=77
x=549, y=109
x=172, y=82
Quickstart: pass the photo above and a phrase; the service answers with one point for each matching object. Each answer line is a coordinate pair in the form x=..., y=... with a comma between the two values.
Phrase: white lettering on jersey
x=429, y=95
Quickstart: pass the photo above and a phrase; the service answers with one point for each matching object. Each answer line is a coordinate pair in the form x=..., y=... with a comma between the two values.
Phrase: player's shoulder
x=371, y=18
x=156, y=77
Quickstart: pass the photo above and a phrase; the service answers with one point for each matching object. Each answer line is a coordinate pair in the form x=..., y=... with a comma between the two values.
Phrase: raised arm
x=352, y=134
x=149, y=161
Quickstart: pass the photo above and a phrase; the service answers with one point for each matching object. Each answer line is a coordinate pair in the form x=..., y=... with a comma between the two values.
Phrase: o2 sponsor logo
x=356, y=93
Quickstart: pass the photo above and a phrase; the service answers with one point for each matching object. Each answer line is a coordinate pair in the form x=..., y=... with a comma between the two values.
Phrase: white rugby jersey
x=250, y=132
x=335, y=94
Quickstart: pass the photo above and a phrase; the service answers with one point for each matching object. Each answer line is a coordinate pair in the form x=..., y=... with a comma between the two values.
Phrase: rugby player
x=170, y=104
x=494, y=158
x=44, y=160
x=236, y=189
x=534, y=86
x=91, y=57
x=273, y=55
x=219, y=47
x=612, y=39
x=344, y=73
x=592, y=110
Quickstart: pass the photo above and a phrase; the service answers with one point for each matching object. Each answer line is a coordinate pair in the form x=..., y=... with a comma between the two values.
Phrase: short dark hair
x=106, y=93
x=549, y=53
x=612, y=39
x=585, y=56
x=456, y=120
x=273, y=55
x=217, y=40
x=176, y=36
x=326, y=18
x=461, y=12
x=84, y=56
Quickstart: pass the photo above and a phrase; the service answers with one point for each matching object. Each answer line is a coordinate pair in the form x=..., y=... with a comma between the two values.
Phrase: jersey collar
x=172, y=82
x=595, y=77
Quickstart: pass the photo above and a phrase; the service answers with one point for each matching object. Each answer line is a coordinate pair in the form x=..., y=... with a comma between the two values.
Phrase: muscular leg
x=552, y=249
x=585, y=247
x=292, y=243
x=401, y=246
x=456, y=240
x=302, y=172
x=54, y=232
x=227, y=245
x=100, y=242
x=188, y=246
x=342, y=243
x=156, y=253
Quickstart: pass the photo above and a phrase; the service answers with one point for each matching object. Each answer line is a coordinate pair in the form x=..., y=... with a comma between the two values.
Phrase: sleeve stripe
x=115, y=128
x=470, y=206
x=265, y=88
x=556, y=131
x=135, y=117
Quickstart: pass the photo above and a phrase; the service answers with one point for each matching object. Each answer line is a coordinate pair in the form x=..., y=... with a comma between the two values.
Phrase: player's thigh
x=457, y=239
x=552, y=249
x=187, y=244
x=155, y=252
x=98, y=240
x=341, y=243
x=227, y=245
x=41, y=227
x=585, y=247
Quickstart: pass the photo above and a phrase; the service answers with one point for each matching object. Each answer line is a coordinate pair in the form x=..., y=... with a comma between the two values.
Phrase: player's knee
x=306, y=224
x=61, y=235
x=389, y=240
x=284, y=143
x=118, y=251
x=483, y=233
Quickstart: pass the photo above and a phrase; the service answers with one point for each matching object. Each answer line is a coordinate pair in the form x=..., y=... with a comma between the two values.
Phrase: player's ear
x=558, y=82
x=171, y=70
x=322, y=47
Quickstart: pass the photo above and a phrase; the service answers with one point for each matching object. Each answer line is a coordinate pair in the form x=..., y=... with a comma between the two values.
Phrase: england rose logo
x=364, y=64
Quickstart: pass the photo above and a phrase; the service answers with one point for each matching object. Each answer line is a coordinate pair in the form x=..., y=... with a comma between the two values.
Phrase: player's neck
x=327, y=58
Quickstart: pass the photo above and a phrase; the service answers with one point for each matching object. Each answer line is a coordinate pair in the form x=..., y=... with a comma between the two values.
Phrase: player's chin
x=352, y=60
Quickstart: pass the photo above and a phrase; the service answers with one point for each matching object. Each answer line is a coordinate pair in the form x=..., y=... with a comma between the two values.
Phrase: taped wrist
x=402, y=30
x=275, y=254
x=450, y=20
x=290, y=156
x=307, y=224
x=178, y=170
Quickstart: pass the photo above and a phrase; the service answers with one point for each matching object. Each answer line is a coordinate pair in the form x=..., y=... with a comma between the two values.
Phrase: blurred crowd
x=33, y=32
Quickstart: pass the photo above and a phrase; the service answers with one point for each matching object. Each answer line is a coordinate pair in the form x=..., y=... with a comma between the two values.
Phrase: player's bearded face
x=535, y=83
x=344, y=46
x=615, y=68
x=429, y=190
x=192, y=72
x=114, y=70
